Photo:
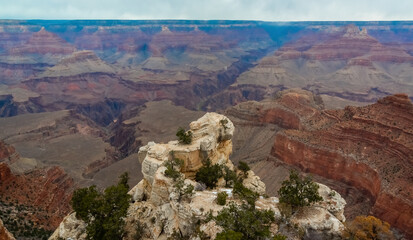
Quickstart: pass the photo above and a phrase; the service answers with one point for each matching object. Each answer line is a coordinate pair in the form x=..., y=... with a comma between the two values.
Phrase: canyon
x=79, y=98
x=364, y=153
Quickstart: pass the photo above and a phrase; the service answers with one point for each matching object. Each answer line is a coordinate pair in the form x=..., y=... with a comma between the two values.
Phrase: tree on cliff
x=184, y=137
x=298, y=191
x=244, y=222
x=103, y=212
x=209, y=174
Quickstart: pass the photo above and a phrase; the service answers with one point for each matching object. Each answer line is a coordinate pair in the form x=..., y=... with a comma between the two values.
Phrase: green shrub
x=184, y=190
x=279, y=237
x=209, y=174
x=184, y=137
x=223, y=123
x=243, y=166
x=173, y=167
x=84, y=202
x=250, y=222
x=229, y=176
x=244, y=193
x=298, y=191
x=229, y=235
x=104, y=213
x=123, y=179
x=222, y=198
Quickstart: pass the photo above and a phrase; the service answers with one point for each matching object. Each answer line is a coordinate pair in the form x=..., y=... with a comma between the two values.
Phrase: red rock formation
x=43, y=42
x=5, y=150
x=46, y=190
x=288, y=110
x=369, y=147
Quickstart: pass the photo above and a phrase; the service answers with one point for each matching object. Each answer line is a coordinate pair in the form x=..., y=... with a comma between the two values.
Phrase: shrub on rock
x=298, y=191
x=103, y=213
x=184, y=137
x=209, y=174
x=250, y=222
x=222, y=198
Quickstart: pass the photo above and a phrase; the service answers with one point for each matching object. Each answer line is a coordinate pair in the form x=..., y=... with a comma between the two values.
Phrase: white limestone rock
x=270, y=203
x=211, y=229
x=325, y=219
x=318, y=223
x=254, y=183
x=333, y=202
x=70, y=228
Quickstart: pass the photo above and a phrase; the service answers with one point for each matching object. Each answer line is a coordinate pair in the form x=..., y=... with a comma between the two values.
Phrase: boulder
x=254, y=183
x=70, y=228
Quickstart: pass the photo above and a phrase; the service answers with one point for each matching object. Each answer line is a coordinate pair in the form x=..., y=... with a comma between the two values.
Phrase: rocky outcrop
x=6, y=151
x=70, y=228
x=161, y=210
x=287, y=109
x=367, y=147
x=4, y=234
x=211, y=139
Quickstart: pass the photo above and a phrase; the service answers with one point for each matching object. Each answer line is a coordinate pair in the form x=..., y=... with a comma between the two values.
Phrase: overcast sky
x=267, y=10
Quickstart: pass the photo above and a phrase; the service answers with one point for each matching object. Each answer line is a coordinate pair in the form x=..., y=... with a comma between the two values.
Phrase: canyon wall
x=368, y=147
x=46, y=190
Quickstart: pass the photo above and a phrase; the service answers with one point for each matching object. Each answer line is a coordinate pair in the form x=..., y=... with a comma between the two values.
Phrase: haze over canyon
x=79, y=98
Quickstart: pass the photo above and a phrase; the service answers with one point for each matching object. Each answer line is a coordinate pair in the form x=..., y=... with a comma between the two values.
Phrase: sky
x=265, y=10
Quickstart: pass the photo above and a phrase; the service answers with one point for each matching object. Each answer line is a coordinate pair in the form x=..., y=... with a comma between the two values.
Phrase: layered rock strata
x=369, y=147
x=346, y=63
x=44, y=42
x=362, y=152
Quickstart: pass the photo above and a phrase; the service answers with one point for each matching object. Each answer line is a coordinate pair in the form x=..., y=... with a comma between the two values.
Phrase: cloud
x=267, y=10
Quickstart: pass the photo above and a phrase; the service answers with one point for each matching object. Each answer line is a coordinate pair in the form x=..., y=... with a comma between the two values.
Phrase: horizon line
x=205, y=20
